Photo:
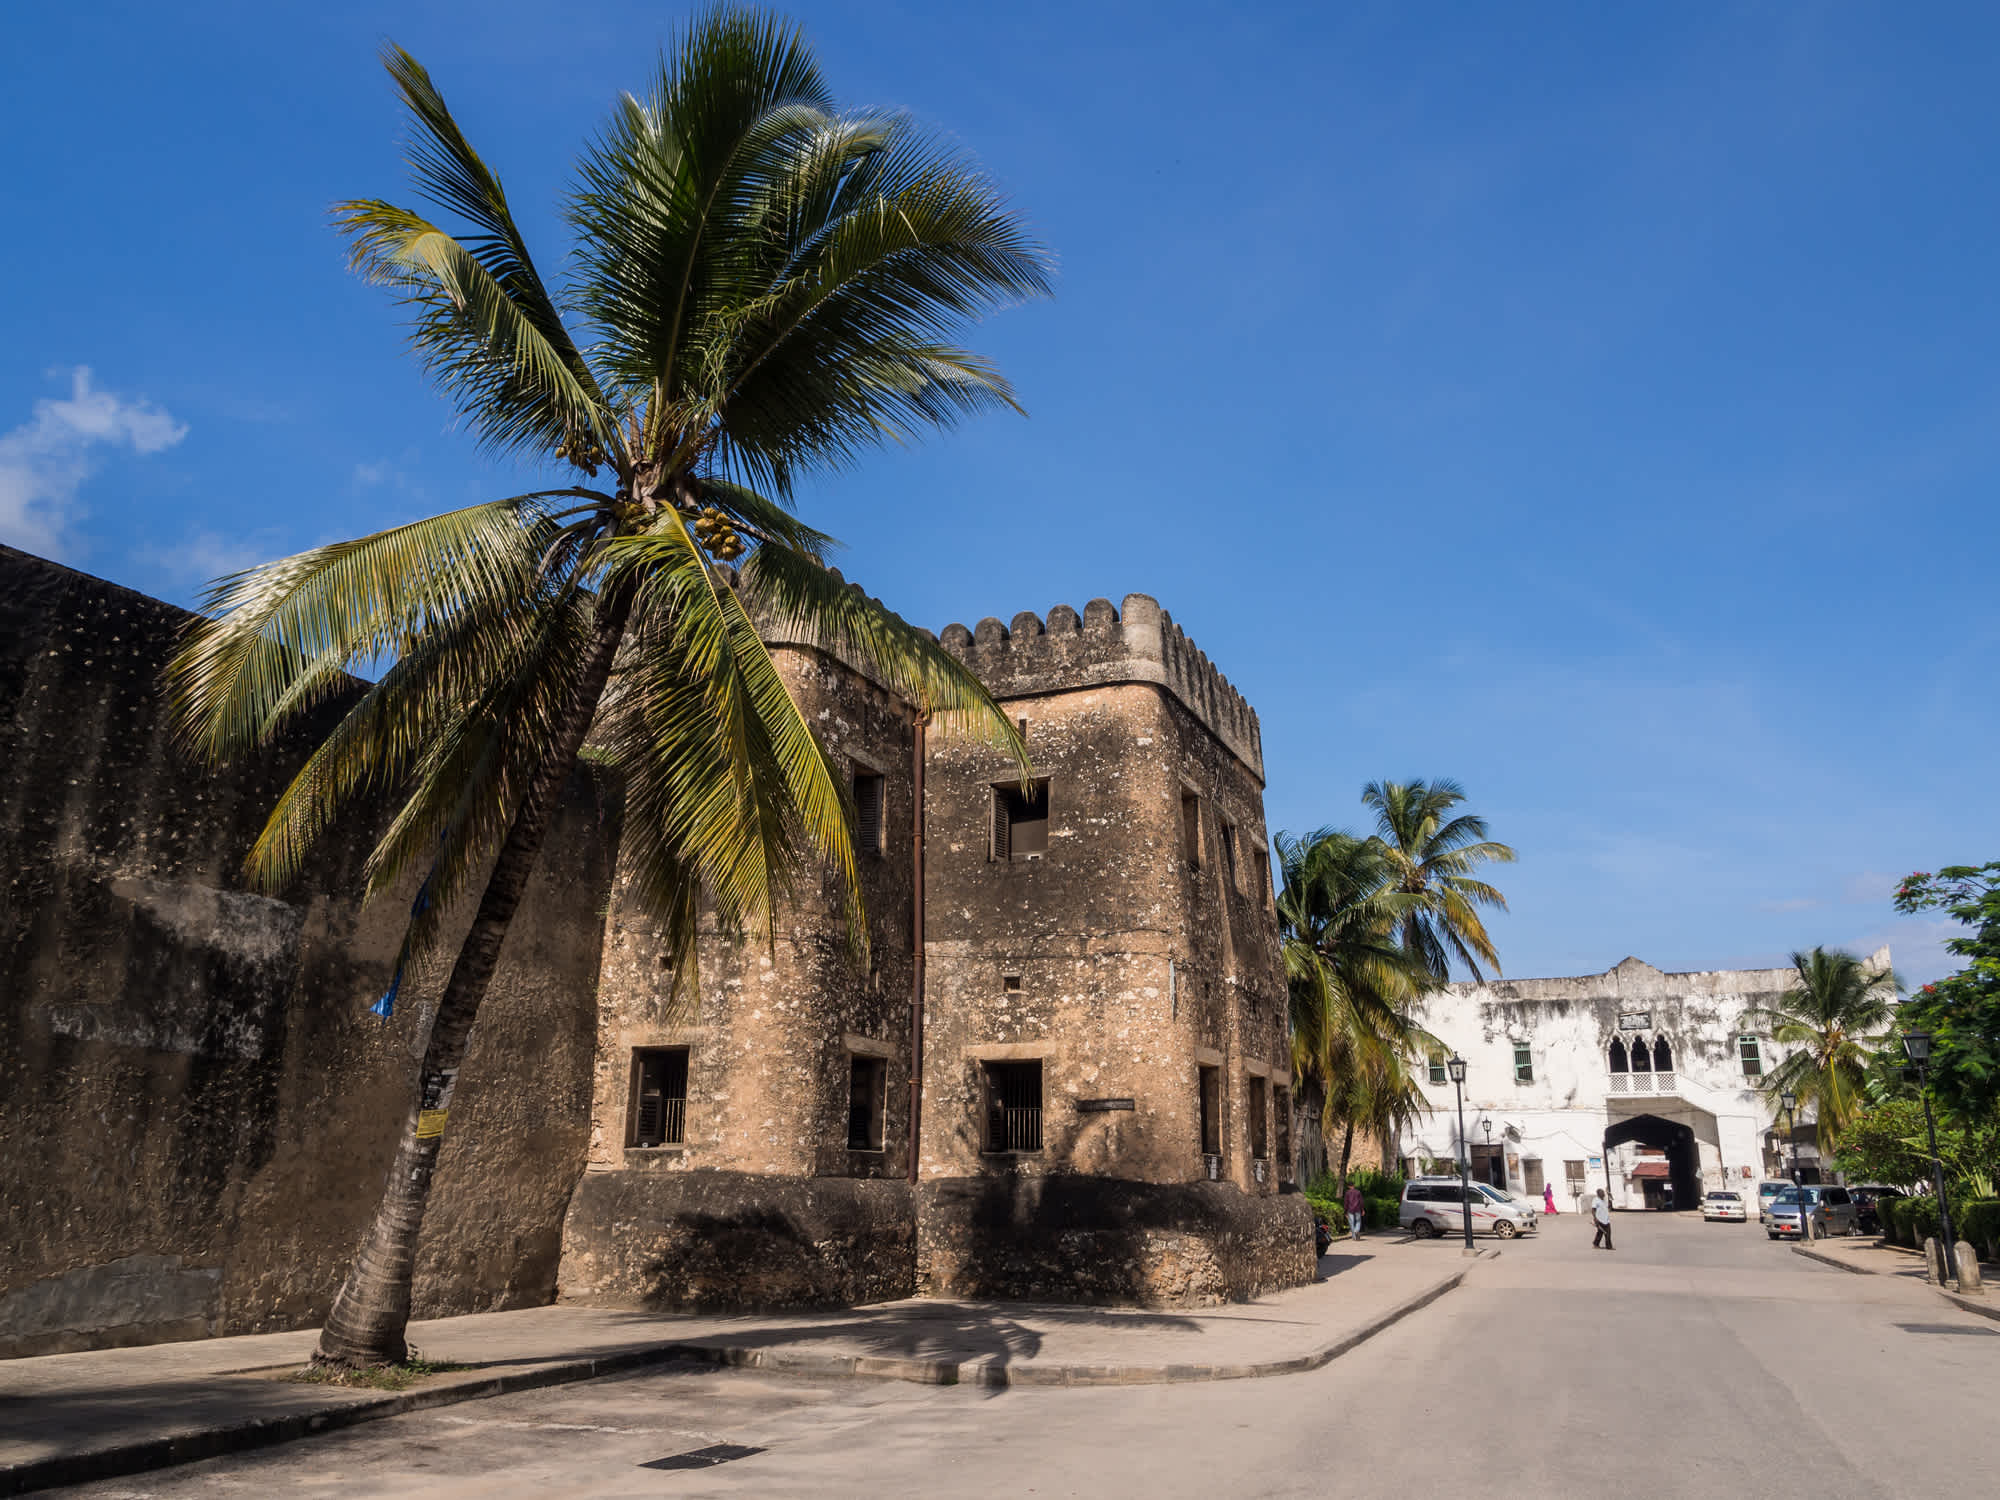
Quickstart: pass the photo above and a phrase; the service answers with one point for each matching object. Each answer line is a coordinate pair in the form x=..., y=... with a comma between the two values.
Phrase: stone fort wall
x=196, y=1108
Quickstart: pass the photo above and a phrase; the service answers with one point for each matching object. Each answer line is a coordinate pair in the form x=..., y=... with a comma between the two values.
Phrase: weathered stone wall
x=722, y=1241
x=1135, y=966
x=1099, y=1239
x=196, y=1109
x=770, y=1031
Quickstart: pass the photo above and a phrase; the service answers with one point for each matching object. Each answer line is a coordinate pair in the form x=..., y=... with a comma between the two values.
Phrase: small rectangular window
x=1263, y=877
x=1010, y=984
x=1209, y=1086
x=1013, y=1105
x=1229, y=853
x=1021, y=821
x=1524, y=1064
x=1259, y=1124
x=1531, y=1175
x=1573, y=1174
x=867, y=812
x=1437, y=1070
x=1753, y=1057
x=659, y=1096
x=1191, y=830
x=867, y=1094
x=1281, y=1108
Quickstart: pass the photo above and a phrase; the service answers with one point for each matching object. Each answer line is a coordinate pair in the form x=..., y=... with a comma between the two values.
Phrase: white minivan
x=1433, y=1205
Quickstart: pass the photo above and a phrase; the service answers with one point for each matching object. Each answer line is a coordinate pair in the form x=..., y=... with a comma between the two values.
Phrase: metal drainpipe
x=917, y=944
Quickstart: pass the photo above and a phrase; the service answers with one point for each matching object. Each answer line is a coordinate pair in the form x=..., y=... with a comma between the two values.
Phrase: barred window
x=659, y=1096
x=1013, y=1105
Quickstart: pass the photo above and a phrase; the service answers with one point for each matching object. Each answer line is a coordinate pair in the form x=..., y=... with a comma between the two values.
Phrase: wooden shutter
x=1003, y=830
x=868, y=811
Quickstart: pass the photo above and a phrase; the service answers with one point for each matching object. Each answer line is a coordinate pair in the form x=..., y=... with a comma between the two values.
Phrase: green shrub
x=1381, y=1197
x=1978, y=1223
x=1922, y=1216
x=1895, y=1220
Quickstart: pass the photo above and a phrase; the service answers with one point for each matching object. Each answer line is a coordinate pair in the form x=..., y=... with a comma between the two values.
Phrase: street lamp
x=1918, y=1045
x=1790, y=1101
x=1455, y=1066
x=1487, y=1126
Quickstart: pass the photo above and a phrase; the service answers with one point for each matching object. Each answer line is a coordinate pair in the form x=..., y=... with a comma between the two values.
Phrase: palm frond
x=284, y=636
x=519, y=387
x=808, y=603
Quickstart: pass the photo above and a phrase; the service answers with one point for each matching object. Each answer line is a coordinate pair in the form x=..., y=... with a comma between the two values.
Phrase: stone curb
x=263, y=1432
x=1970, y=1304
x=1831, y=1260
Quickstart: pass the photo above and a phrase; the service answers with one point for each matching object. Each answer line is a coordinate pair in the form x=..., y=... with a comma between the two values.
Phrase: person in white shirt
x=1600, y=1210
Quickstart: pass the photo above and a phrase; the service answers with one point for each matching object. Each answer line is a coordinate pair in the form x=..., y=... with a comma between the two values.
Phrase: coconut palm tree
x=1354, y=989
x=1434, y=853
x=762, y=287
x=1836, y=1014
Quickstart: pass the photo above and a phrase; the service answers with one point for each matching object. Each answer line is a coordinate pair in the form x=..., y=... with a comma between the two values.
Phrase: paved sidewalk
x=1871, y=1257
x=65, y=1418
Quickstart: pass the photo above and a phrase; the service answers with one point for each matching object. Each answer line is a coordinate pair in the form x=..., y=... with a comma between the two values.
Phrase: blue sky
x=1593, y=404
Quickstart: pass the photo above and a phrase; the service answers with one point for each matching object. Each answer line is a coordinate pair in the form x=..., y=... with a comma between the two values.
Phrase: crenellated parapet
x=1103, y=646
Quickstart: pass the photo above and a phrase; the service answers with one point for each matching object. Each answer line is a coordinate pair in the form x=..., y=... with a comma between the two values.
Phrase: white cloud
x=44, y=461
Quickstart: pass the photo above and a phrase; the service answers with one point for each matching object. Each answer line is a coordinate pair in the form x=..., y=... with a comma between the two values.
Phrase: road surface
x=1696, y=1360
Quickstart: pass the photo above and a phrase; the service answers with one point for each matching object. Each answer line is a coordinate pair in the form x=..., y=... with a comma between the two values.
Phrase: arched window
x=1618, y=1063
x=1663, y=1060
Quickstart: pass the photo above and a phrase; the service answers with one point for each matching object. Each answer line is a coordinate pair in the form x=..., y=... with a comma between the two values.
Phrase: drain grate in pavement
x=703, y=1458
x=1980, y=1333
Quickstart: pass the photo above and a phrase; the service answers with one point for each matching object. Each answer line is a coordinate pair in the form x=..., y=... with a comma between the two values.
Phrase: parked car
x=1766, y=1191
x=1725, y=1207
x=1433, y=1205
x=1529, y=1210
x=1831, y=1210
x=1867, y=1215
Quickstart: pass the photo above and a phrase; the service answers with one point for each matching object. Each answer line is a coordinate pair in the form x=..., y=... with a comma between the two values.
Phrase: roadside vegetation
x=761, y=287
x=1886, y=1139
x=1370, y=925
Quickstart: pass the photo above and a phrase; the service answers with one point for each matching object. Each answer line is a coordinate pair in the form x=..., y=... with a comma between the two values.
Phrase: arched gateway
x=1681, y=1172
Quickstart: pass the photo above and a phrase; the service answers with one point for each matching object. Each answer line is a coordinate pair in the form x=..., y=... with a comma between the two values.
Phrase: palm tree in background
x=763, y=287
x=1836, y=1014
x=1354, y=989
x=1434, y=853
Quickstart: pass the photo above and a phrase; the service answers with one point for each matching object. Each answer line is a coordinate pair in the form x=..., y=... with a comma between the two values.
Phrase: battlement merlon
x=1102, y=647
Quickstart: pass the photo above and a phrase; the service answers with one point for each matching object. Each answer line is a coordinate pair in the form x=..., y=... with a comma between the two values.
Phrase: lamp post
x=1790, y=1101
x=1487, y=1126
x=1918, y=1045
x=1455, y=1066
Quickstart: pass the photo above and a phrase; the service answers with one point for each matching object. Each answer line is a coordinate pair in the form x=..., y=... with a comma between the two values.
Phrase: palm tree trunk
x=372, y=1308
x=1346, y=1151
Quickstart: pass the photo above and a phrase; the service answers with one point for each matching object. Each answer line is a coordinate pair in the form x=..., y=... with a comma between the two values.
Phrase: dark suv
x=1868, y=1217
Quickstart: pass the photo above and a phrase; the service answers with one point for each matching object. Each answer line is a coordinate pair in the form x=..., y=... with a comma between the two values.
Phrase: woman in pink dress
x=1548, y=1197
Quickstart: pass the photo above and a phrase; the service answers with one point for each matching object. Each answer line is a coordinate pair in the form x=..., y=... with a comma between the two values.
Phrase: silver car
x=1831, y=1210
x=1434, y=1206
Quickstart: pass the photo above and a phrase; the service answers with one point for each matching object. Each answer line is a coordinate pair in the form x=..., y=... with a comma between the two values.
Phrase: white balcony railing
x=1642, y=1083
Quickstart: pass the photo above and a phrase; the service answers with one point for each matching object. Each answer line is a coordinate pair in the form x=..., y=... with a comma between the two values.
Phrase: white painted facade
x=1560, y=1033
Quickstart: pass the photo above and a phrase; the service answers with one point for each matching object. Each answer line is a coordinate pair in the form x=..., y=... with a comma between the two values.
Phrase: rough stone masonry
x=196, y=1107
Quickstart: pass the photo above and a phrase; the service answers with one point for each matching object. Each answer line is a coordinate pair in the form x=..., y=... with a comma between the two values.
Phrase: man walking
x=1600, y=1210
x=1356, y=1208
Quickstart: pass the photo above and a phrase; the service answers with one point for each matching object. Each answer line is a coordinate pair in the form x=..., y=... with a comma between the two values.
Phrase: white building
x=1644, y=1083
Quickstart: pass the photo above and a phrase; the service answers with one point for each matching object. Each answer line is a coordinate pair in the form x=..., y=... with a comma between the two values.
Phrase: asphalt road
x=1696, y=1360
